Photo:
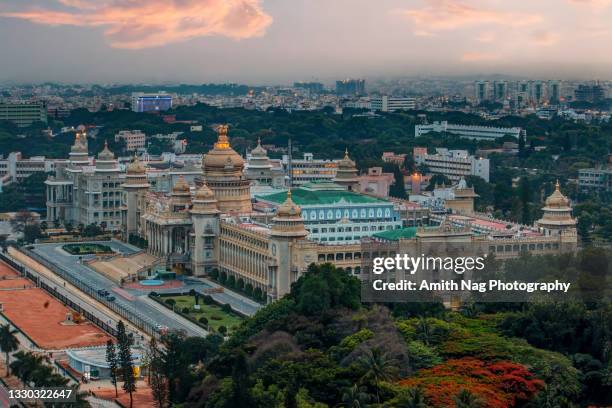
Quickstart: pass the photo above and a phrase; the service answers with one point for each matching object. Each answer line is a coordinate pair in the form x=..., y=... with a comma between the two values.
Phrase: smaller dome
x=289, y=208
x=204, y=193
x=346, y=162
x=136, y=167
x=258, y=150
x=557, y=199
x=181, y=186
x=106, y=154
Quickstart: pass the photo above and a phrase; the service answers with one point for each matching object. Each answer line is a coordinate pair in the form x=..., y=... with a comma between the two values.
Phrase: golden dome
x=222, y=155
x=346, y=162
x=136, y=167
x=204, y=193
x=180, y=187
x=557, y=199
x=289, y=208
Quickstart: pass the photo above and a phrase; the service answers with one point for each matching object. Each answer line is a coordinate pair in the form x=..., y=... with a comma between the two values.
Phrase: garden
x=221, y=319
x=87, y=249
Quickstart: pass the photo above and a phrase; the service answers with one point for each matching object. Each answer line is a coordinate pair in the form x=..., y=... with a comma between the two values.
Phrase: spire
x=557, y=186
x=222, y=139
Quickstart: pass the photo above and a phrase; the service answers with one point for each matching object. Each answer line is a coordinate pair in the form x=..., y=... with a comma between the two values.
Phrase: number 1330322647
x=43, y=394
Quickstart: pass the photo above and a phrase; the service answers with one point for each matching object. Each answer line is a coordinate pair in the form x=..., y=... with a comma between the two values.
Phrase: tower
x=136, y=186
x=287, y=230
x=79, y=151
x=223, y=173
x=557, y=218
x=205, y=217
x=346, y=174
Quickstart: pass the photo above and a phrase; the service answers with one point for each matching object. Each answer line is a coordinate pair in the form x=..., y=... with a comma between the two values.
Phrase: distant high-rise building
x=386, y=103
x=554, y=91
x=350, y=87
x=590, y=93
x=151, y=102
x=314, y=87
x=500, y=90
x=482, y=91
x=24, y=114
x=536, y=91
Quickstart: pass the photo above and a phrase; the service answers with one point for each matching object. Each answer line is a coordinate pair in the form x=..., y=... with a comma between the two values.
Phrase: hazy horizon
x=278, y=41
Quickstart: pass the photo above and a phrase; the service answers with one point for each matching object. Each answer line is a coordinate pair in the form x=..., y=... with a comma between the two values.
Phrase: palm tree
x=424, y=330
x=26, y=365
x=8, y=343
x=466, y=399
x=377, y=367
x=355, y=397
x=412, y=398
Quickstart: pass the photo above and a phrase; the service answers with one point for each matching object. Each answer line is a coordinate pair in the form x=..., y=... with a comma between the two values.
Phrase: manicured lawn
x=86, y=249
x=216, y=317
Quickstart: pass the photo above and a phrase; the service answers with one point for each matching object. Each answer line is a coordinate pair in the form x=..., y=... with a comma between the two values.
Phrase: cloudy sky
x=276, y=41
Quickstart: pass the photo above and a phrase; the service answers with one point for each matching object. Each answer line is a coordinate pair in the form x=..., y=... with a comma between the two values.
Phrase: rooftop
x=397, y=234
x=308, y=196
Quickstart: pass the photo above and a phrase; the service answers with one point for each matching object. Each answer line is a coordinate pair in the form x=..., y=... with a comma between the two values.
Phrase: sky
x=280, y=41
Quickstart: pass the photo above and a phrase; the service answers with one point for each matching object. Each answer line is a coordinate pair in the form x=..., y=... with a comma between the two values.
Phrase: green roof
x=302, y=197
x=397, y=234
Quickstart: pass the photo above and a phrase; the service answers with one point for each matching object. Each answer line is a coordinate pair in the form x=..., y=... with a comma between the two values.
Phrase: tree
x=158, y=382
x=377, y=367
x=397, y=189
x=324, y=287
x=111, y=360
x=411, y=398
x=355, y=397
x=8, y=343
x=466, y=399
x=126, y=366
x=31, y=233
x=92, y=230
x=223, y=330
x=438, y=179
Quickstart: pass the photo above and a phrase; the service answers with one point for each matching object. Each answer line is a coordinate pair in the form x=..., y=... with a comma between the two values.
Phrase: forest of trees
x=320, y=347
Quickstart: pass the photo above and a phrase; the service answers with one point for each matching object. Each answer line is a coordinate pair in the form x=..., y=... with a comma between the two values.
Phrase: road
x=71, y=264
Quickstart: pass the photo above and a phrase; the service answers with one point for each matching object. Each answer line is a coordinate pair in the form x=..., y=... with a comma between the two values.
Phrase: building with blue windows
x=151, y=102
x=334, y=215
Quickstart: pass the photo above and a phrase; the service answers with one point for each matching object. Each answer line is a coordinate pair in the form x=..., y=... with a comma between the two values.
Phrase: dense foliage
x=319, y=347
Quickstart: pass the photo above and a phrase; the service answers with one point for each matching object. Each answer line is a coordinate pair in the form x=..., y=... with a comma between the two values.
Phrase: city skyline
x=269, y=41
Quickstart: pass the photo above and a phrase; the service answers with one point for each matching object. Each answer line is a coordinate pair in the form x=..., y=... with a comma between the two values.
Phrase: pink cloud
x=136, y=24
x=592, y=3
x=445, y=15
x=475, y=56
x=544, y=38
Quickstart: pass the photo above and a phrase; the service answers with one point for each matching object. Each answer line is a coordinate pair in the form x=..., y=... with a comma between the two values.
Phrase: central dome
x=222, y=156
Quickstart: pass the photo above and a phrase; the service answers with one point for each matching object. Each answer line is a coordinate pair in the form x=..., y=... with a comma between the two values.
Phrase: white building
x=86, y=190
x=15, y=168
x=134, y=139
x=386, y=103
x=454, y=164
x=468, y=131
